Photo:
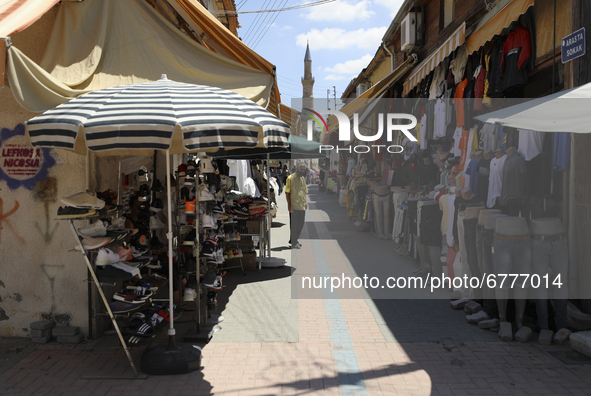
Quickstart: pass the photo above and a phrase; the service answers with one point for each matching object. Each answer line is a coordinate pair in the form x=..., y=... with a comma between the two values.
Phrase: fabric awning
x=497, y=19
x=374, y=92
x=565, y=111
x=124, y=42
x=287, y=114
x=454, y=41
x=17, y=15
x=223, y=41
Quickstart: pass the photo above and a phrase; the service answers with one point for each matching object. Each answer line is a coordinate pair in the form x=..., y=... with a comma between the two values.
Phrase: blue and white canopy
x=160, y=115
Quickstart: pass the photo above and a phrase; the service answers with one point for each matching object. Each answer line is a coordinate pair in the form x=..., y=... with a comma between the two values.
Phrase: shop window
x=447, y=11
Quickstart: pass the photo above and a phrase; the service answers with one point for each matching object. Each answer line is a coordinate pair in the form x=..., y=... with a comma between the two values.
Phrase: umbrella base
x=272, y=262
x=166, y=360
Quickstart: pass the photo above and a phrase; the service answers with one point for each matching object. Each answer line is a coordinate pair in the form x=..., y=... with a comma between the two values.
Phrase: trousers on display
x=471, y=253
x=551, y=257
x=296, y=221
x=463, y=267
x=484, y=240
x=511, y=257
x=381, y=206
x=397, y=200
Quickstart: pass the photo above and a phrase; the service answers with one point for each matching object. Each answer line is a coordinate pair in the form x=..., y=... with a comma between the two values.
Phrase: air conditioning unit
x=408, y=30
x=361, y=88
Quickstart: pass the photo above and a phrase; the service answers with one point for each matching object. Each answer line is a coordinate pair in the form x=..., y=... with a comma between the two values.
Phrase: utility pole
x=335, y=96
x=327, y=101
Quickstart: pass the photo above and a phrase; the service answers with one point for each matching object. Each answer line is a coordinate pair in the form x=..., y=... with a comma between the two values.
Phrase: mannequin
x=452, y=175
x=381, y=204
x=414, y=218
x=550, y=256
x=399, y=195
x=513, y=197
x=512, y=255
x=446, y=249
x=495, y=180
x=470, y=222
x=429, y=234
x=484, y=258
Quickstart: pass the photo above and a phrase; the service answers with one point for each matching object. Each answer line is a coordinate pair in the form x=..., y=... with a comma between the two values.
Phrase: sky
x=344, y=35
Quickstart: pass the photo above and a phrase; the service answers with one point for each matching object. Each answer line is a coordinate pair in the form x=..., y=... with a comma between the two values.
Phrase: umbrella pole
x=269, y=207
x=171, y=331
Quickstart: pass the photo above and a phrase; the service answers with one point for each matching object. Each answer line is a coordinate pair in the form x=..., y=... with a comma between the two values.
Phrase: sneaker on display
x=97, y=229
x=237, y=253
x=157, y=205
x=208, y=250
x=229, y=254
x=182, y=169
x=91, y=243
x=190, y=294
x=117, y=224
x=144, y=193
x=207, y=222
x=124, y=253
x=143, y=175
x=204, y=194
x=205, y=165
x=232, y=236
x=158, y=186
x=106, y=256
x=190, y=206
x=84, y=200
x=156, y=223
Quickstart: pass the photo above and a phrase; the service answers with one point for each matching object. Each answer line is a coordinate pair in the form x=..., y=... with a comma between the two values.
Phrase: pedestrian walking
x=295, y=192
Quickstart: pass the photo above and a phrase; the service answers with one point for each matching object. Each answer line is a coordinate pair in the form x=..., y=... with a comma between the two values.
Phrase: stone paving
x=333, y=344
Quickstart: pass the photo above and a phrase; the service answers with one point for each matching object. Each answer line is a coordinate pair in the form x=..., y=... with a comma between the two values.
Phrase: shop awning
x=374, y=92
x=497, y=19
x=565, y=111
x=17, y=15
x=223, y=41
x=421, y=71
x=124, y=42
x=286, y=114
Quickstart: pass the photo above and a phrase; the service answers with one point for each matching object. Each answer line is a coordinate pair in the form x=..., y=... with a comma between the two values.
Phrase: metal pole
x=100, y=290
x=171, y=331
x=269, y=207
x=554, y=47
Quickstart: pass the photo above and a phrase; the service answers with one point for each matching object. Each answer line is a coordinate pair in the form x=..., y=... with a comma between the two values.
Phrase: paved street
x=320, y=343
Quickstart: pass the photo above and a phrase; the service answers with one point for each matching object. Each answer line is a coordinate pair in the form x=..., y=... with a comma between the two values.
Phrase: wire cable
x=269, y=26
x=254, y=22
x=261, y=27
x=298, y=7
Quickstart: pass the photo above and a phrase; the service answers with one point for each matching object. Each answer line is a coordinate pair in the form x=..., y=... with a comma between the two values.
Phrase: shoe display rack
x=101, y=293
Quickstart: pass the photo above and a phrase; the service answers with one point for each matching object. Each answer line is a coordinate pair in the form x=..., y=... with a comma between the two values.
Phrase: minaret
x=308, y=81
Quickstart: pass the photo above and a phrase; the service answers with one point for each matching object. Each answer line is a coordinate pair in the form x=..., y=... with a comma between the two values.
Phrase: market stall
x=123, y=120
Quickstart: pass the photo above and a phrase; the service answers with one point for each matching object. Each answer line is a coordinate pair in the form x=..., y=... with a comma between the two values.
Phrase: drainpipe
x=385, y=47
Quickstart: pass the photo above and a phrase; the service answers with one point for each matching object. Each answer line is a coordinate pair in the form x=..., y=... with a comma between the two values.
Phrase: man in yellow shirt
x=295, y=192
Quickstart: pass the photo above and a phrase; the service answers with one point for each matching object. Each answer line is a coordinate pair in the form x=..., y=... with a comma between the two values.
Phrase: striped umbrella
x=160, y=115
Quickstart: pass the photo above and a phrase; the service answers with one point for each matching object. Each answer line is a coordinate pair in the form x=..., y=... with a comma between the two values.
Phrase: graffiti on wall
x=4, y=220
x=21, y=165
x=46, y=192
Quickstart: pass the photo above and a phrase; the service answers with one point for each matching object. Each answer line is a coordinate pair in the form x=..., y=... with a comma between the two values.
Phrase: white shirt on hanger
x=530, y=143
x=495, y=180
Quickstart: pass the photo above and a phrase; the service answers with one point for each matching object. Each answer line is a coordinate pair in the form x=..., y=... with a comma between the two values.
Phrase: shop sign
x=573, y=45
x=385, y=123
x=20, y=163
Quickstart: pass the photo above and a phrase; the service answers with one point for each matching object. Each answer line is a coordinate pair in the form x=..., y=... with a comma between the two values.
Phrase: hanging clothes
x=561, y=151
x=516, y=57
